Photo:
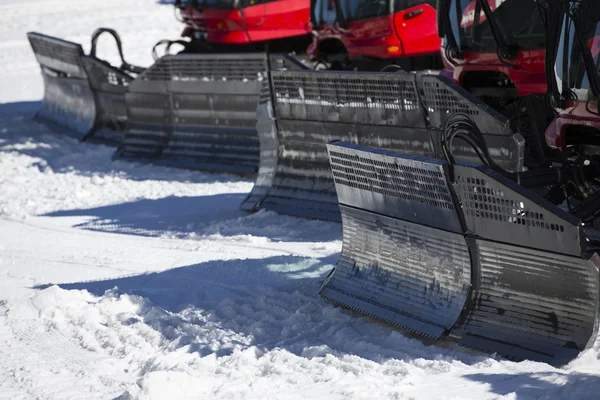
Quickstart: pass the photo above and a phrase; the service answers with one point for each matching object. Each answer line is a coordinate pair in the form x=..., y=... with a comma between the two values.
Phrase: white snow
x=127, y=281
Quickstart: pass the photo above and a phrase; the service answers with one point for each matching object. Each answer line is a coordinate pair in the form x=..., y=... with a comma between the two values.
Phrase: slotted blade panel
x=57, y=54
x=408, y=187
x=498, y=209
x=443, y=97
x=299, y=181
x=265, y=93
x=208, y=68
x=346, y=97
x=404, y=182
x=409, y=275
x=204, y=105
x=148, y=129
x=533, y=304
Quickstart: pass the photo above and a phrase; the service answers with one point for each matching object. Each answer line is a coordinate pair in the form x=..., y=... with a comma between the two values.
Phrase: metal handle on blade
x=167, y=43
x=124, y=64
x=392, y=68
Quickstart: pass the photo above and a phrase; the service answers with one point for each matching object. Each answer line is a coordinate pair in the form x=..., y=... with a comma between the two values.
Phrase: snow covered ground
x=127, y=281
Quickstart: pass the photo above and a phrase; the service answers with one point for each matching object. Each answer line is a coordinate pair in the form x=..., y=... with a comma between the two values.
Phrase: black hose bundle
x=460, y=126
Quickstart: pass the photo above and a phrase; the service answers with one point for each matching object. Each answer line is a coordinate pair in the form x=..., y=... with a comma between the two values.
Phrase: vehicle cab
x=510, y=46
x=360, y=32
x=242, y=22
x=575, y=80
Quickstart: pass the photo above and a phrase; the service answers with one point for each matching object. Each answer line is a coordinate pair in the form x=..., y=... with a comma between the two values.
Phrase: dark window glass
x=570, y=66
x=324, y=12
x=354, y=10
x=519, y=21
x=217, y=4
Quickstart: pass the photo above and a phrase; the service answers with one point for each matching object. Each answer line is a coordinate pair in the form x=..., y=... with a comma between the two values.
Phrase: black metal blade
x=393, y=267
x=532, y=291
x=68, y=101
x=197, y=111
x=395, y=111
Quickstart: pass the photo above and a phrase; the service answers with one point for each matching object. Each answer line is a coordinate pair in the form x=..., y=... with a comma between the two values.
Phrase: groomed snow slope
x=122, y=281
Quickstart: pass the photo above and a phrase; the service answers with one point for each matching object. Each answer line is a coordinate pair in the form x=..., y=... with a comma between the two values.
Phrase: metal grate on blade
x=208, y=68
x=391, y=179
x=56, y=48
x=346, y=90
x=407, y=187
x=497, y=209
x=56, y=54
x=482, y=201
x=440, y=98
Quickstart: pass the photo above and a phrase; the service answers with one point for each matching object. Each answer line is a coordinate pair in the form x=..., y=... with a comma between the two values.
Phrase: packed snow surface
x=127, y=281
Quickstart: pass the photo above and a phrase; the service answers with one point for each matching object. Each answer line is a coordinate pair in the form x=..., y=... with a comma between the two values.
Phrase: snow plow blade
x=395, y=111
x=197, y=111
x=468, y=254
x=84, y=96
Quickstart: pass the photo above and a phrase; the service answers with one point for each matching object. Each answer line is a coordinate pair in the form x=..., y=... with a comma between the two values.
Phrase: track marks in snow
x=268, y=338
x=36, y=361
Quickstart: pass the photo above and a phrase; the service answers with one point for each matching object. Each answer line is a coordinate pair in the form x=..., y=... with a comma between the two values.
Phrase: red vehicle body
x=574, y=116
x=502, y=62
x=238, y=25
x=575, y=82
x=392, y=31
x=574, y=122
x=525, y=70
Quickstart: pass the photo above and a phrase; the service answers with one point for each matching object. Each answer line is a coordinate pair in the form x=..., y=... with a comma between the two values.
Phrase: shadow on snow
x=273, y=301
x=542, y=385
x=200, y=216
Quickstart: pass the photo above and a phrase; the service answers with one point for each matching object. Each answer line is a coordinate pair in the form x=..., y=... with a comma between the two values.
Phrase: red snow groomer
x=394, y=109
x=369, y=35
x=469, y=199
x=196, y=109
x=282, y=26
x=489, y=234
x=347, y=34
